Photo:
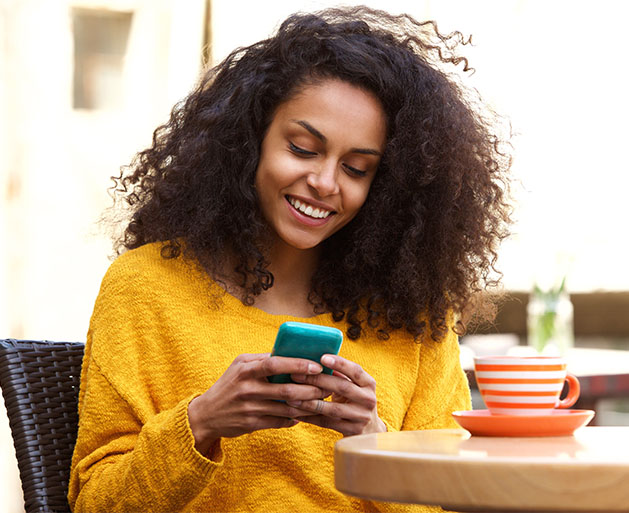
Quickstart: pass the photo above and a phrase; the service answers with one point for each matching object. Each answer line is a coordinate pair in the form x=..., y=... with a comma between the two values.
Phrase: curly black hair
x=424, y=242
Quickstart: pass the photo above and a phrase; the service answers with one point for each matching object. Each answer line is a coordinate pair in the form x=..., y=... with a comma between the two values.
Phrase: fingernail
x=327, y=360
x=313, y=368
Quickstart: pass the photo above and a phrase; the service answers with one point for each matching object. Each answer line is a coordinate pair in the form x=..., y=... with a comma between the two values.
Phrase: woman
x=332, y=174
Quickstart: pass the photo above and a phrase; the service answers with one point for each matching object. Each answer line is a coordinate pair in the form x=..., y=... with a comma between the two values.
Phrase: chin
x=304, y=246
x=302, y=243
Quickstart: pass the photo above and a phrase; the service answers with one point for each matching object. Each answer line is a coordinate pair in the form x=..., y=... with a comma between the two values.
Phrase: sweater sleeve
x=441, y=386
x=120, y=464
x=130, y=454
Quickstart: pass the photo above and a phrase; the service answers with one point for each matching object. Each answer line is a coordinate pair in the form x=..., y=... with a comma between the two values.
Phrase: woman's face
x=317, y=161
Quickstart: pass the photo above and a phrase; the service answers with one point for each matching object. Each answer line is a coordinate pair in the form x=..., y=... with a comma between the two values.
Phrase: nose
x=324, y=179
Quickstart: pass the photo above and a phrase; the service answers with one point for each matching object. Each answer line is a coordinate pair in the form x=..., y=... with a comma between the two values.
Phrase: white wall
x=55, y=163
x=58, y=160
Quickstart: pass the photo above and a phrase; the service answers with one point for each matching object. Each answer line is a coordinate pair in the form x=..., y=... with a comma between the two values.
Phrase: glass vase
x=550, y=323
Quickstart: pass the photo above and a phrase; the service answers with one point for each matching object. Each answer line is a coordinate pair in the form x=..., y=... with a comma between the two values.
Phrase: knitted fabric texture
x=161, y=334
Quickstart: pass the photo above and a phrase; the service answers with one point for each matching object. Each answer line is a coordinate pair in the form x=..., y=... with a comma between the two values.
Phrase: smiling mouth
x=309, y=210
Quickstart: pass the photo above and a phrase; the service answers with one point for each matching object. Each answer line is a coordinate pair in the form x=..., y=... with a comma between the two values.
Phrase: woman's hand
x=353, y=408
x=242, y=400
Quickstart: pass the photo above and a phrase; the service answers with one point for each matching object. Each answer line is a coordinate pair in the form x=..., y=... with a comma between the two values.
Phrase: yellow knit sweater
x=157, y=339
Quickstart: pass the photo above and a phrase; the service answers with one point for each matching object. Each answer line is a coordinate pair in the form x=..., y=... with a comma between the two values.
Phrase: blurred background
x=83, y=84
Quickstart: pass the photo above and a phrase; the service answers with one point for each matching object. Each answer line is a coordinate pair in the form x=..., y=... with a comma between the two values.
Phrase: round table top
x=588, y=471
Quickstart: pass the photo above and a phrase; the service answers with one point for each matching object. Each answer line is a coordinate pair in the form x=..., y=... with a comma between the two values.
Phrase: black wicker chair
x=40, y=384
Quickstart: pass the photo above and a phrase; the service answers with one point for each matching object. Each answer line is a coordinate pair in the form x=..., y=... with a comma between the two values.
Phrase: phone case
x=303, y=340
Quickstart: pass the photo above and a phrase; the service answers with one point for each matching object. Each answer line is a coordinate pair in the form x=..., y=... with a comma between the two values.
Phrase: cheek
x=264, y=189
x=357, y=196
x=278, y=172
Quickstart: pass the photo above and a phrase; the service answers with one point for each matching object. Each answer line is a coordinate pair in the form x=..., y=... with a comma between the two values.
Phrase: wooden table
x=448, y=467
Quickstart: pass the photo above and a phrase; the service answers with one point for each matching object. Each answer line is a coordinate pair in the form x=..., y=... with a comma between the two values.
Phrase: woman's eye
x=353, y=170
x=300, y=151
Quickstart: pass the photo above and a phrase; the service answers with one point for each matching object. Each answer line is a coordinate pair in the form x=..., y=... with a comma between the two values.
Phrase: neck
x=292, y=272
x=293, y=268
x=292, y=275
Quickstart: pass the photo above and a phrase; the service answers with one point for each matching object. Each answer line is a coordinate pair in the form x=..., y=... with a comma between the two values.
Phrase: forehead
x=332, y=104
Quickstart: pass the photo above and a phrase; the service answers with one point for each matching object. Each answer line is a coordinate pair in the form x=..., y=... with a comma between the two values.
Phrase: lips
x=308, y=209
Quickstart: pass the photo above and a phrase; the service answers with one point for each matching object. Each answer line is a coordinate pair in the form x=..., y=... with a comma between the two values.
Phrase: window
x=100, y=45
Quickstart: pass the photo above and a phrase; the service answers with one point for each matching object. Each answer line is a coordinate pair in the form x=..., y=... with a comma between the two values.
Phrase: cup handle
x=574, y=389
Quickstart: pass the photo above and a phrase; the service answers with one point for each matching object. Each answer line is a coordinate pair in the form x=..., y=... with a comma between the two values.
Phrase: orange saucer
x=558, y=423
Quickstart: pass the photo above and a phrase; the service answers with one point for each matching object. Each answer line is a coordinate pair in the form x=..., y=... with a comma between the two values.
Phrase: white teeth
x=308, y=209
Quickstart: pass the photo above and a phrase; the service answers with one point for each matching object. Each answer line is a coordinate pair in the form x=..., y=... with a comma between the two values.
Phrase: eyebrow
x=324, y=139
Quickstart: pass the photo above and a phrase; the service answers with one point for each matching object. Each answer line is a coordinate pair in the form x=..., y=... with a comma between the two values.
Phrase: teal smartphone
x=303, y=340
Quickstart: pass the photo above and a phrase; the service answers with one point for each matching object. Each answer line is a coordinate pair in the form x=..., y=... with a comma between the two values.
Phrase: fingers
x=334, y=410
x=350, y=369
x=341, y=388
x=252, y=385
x=242, y=400
x=277, y=409
x=344, y=427
x=353, y=409
x=272, y=422
x=272, y=365
x=287, y=392
x=261, y=390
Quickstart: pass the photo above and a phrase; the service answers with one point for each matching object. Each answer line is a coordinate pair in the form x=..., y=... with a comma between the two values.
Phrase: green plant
x=544, y=308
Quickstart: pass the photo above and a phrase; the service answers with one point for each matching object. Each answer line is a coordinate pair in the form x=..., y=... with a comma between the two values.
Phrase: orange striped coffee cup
x=524, y=385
